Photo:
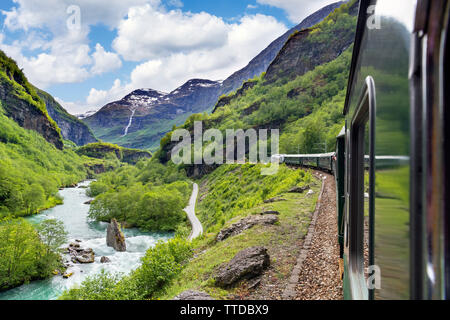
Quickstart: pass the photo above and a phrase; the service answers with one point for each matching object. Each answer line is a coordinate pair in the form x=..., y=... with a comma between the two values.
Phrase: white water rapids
x=74, y=214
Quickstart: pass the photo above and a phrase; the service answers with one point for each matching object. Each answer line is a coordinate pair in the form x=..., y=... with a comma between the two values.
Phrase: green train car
x=393, y=182
x=390, y=161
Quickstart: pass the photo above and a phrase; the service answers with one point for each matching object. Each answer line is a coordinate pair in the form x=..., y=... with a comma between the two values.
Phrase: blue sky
x=87, y=53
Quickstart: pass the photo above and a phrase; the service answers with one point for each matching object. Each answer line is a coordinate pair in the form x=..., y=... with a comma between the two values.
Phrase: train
x=392, y=182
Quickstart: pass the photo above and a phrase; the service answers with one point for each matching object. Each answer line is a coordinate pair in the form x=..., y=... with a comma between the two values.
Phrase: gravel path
x=319, y=278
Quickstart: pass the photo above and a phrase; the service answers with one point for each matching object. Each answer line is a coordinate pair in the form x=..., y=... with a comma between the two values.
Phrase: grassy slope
x=103, y=150
x=27, y=158
x=61, y=111
x=146, y=139
x=230, y=194
x=307, y=109
x=11, y=75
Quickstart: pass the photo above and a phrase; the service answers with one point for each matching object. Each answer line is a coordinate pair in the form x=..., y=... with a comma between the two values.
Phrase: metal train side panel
x=377, y=225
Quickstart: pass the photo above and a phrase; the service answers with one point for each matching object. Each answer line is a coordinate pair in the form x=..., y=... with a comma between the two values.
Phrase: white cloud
x=73, y=107
x=104, y=61
x=52, y=14
x=252, y=6
x=150, y=33
x=64, y=55
x=62, y=60
x=243, y=41
x=297, y=10
x=171, y=47
x=175, y=3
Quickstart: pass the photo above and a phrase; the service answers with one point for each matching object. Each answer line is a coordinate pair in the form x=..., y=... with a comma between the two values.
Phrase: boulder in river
x=245, y=224
x=247, y=264
x=80, y=255
x=193, y=295
x=104, y=260
x=84, y=258
x=115, y=237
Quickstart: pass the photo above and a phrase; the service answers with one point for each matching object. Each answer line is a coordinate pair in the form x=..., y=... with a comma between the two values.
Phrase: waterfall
x=129, y=123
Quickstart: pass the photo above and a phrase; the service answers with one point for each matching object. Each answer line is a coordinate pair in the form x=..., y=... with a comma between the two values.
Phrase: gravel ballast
x=319, y=278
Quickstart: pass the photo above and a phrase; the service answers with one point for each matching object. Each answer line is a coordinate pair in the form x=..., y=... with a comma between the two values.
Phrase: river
x=93, y=235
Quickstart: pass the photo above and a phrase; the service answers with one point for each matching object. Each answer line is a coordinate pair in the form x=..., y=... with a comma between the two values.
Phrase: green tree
x=33, y=198
x=52, y=234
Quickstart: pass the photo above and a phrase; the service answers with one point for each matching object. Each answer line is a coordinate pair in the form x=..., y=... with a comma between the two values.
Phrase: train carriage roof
x=319, y=155
x=361, y=27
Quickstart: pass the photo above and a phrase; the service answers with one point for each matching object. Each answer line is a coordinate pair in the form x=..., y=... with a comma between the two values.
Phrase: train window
x=361, y=191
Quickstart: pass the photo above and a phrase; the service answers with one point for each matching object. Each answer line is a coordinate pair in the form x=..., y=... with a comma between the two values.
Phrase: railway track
x=320, y=275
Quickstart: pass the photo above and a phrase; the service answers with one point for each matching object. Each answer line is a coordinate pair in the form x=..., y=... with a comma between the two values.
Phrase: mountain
x=71, y=127
x=301, y=94
x=302, y=52
x=22, y=104
x=260, y=63
x=140, y=119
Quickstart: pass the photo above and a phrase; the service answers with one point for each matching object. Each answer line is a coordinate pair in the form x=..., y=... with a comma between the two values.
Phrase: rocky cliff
x=288, y=97
x=309, y=48
x=22, y=104
x=71, y=128
x=260, y=63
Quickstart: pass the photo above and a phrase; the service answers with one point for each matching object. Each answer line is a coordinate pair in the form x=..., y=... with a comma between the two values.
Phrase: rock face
x=298, y=55
x=115, y=237
x=29, y=116
x=245, y=224
x=247, y=264
x=260, y=63
x=72, y=128
x=193, y=295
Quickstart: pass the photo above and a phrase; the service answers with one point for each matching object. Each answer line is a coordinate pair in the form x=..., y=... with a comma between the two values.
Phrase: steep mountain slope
x=260, y=63
x=71, y=128
x=301, y=94
x=141, y=118
x=32, y=169
x=21, y=102
x=303, y=51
